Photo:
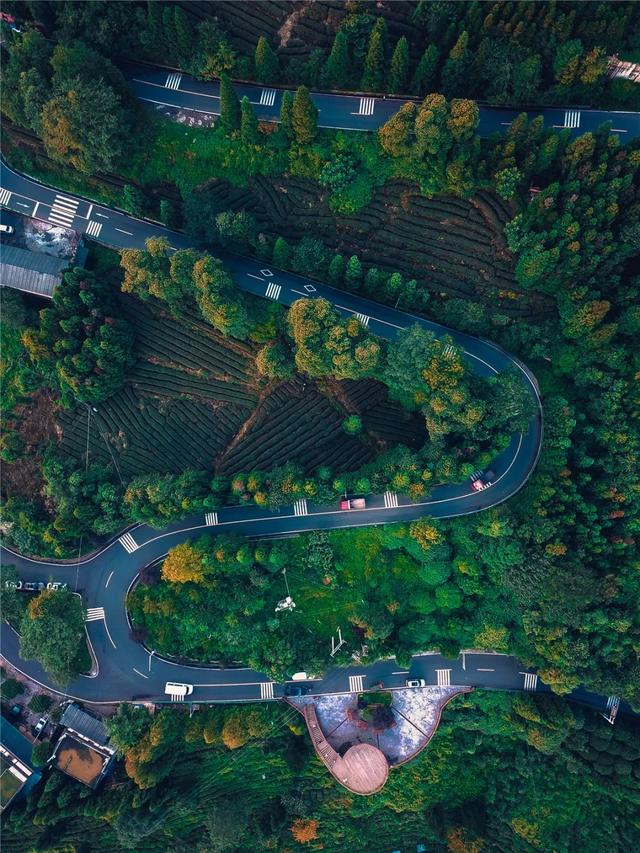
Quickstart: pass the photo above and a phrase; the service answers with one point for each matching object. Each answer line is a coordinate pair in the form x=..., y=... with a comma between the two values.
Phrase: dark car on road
x=296, y=689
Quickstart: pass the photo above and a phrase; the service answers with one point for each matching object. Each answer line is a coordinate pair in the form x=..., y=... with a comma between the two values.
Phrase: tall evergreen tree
x=248, y=122
x=399, y=68
x=373, y=76
x=184, y=34
x=266, y=61
x=337, y=65
x=304, y=116
x=286, y=114
x=457, y=67
x=336, y=270
x=169, y=31
x=425, y=77
x=229, y=105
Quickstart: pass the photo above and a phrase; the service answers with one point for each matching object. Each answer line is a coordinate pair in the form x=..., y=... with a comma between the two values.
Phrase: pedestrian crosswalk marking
x=530, y=680
x=173, y=81
x=176, y=697
x=444, y=677
x=273, y=290
x=362, y=317
x=5, y=195
x=94, y=228
x=211, y=518
x=128, y=543
x=94, y=613
x=449, y=351
x=476, y=475
x=266, y=689
x=356, y=683
x=63, y=210
x=390, y=499
x=613, y=706
x=268, y=97
x=572, y=118
x=367, y=105
x=300, y=508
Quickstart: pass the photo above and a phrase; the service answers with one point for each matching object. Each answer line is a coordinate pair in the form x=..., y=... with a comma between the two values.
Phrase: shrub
x=40, y=703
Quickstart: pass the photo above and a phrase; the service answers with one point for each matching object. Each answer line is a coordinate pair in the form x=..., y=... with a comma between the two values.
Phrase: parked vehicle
x=480, y=481
x=13, y=584
x=39, y=726
x=7, y=229
x=415, y=682
x=296, y=689
x=299, y=676
x=176, y=689
x=353, y=503
x=56, y=586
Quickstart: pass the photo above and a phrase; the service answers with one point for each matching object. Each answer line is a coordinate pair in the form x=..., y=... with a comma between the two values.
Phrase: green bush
x=40, y=703
x=10, y=689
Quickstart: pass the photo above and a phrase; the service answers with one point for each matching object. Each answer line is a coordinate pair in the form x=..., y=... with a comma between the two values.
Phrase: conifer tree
x=399, y=68
x=169, y=30
x=248, y=123
x=304, y=116
x=184, y=35
x=337, y=65
x=266, y=61
x=457, y=67
x=425, y=76
x=353, y=273
x=336, y=270
x=281, y=253
x=229, y=105
x=373, y=76
x=286, y=114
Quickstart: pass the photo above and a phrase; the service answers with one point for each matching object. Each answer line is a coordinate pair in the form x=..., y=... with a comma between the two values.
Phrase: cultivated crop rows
x=145, y=436
x=156, y=380
x=300, y=427
x=190, y=344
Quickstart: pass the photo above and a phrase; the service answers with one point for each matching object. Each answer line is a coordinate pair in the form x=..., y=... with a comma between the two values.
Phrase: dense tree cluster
x=52, y=631
x=184, y=279
x=73, y=97
x=82, y=343
x=542, y=772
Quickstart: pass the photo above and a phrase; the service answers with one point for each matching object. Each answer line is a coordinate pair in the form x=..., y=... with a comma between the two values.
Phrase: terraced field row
x=159, y=381
x=145, y=436
x=189, y=344
x=300, y=427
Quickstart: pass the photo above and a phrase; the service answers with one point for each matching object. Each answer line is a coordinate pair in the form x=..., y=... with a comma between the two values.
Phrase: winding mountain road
x=128, y=671
x=169, y=90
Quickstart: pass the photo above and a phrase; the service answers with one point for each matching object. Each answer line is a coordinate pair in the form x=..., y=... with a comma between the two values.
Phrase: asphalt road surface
x=167, y=89
x=125, y=669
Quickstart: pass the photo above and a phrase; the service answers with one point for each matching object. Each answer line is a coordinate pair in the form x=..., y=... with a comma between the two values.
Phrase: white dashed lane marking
x=356, y=683
x=444, y=677
x=173, y=81
x=94, y=613
x=300, y=508
x=94, y=229
x=366, y=108
x=572, y=118
x=63, y=210
x=128, y=543
x=266, y=689
x=267, y=97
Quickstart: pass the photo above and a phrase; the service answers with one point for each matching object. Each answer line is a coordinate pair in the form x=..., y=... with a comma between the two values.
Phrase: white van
x=177, y=690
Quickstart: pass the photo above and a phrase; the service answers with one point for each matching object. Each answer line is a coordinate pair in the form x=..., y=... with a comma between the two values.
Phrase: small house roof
x=31, y=272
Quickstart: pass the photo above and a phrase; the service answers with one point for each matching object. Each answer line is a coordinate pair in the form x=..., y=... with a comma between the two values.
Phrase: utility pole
x=286, y=603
